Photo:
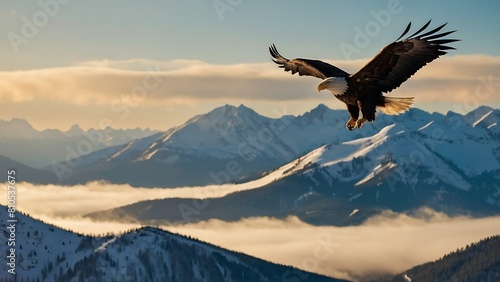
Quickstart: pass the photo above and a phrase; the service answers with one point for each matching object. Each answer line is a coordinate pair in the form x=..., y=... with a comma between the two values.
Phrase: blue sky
x=225, y=32
x=166, y=30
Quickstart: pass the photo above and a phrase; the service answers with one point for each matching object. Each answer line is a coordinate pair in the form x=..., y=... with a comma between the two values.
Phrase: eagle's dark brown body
x=360, y=97
x=363, y=91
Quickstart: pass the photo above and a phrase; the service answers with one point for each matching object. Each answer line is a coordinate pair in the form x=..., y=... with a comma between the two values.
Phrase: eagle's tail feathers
x=395, y=105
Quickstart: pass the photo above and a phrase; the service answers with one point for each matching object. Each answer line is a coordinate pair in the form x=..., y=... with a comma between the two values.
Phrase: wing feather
x=405, y=32
x=432, y=31
x=399, y=60
x=307, y=67
x=418, y=31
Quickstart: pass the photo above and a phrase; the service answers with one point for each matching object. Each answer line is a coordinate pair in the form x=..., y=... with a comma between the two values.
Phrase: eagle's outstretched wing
x=308, y=67
x=399, y=60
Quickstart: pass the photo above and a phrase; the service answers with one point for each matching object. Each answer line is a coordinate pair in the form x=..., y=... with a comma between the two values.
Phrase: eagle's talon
x=351, y=124
x=360, y=122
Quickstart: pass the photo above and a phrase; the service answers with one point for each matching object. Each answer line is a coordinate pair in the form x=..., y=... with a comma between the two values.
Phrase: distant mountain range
x=47, y=253
x=21, y=142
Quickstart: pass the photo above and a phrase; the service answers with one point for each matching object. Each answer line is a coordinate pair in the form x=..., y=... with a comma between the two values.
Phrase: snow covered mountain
x=23, y=143
x=447, y=162
x=47, y=253
x=485, y=117
x=440, y=164
x=236, y=144
x=227, y=144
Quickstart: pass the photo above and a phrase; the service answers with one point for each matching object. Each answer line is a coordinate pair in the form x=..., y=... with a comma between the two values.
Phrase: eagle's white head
x=337, y=85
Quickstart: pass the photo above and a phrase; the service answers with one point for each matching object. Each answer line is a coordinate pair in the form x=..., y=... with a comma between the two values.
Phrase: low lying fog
x=388, y=242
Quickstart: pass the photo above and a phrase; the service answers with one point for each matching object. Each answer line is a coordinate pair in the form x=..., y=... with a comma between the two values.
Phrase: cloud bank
x=74, y=201
x=449, y=79
x=386, y=243
x=162, y=94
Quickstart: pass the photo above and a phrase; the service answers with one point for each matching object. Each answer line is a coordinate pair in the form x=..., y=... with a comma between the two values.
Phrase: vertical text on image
x=11, y=220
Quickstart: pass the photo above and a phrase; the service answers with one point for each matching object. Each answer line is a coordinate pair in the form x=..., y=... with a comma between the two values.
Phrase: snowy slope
x=453, y=153
x=39, y=244
x=130, y=150
x=369, y=158
x=470, y=148
x=47, y=253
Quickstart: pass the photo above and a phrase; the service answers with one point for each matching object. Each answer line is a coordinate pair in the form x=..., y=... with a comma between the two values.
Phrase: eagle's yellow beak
x=321, y=86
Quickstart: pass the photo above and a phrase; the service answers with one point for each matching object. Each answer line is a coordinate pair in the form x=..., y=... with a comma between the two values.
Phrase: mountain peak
x=323, y=112
x=20, y=121
x=321, y=108
x=228, y=111
x=453, y=118
x=18, y=128
x=149, y=254
x=484, y=116
x=482, y=110
x=21, y=124
x=242, y=107
x=75, y=130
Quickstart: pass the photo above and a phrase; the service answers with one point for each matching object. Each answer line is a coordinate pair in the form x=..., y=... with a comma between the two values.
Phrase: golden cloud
x=449, y=79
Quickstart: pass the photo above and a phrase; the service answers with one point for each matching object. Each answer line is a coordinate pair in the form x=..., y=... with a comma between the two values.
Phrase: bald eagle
x=392, y=66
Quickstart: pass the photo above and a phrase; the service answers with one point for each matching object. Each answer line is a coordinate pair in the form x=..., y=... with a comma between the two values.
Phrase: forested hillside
x=476, y=262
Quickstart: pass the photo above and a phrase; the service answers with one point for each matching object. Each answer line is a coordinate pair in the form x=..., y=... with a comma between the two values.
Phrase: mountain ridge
x=255, y=142
x=401, y=167
x=48, y=253
x=478, y=261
